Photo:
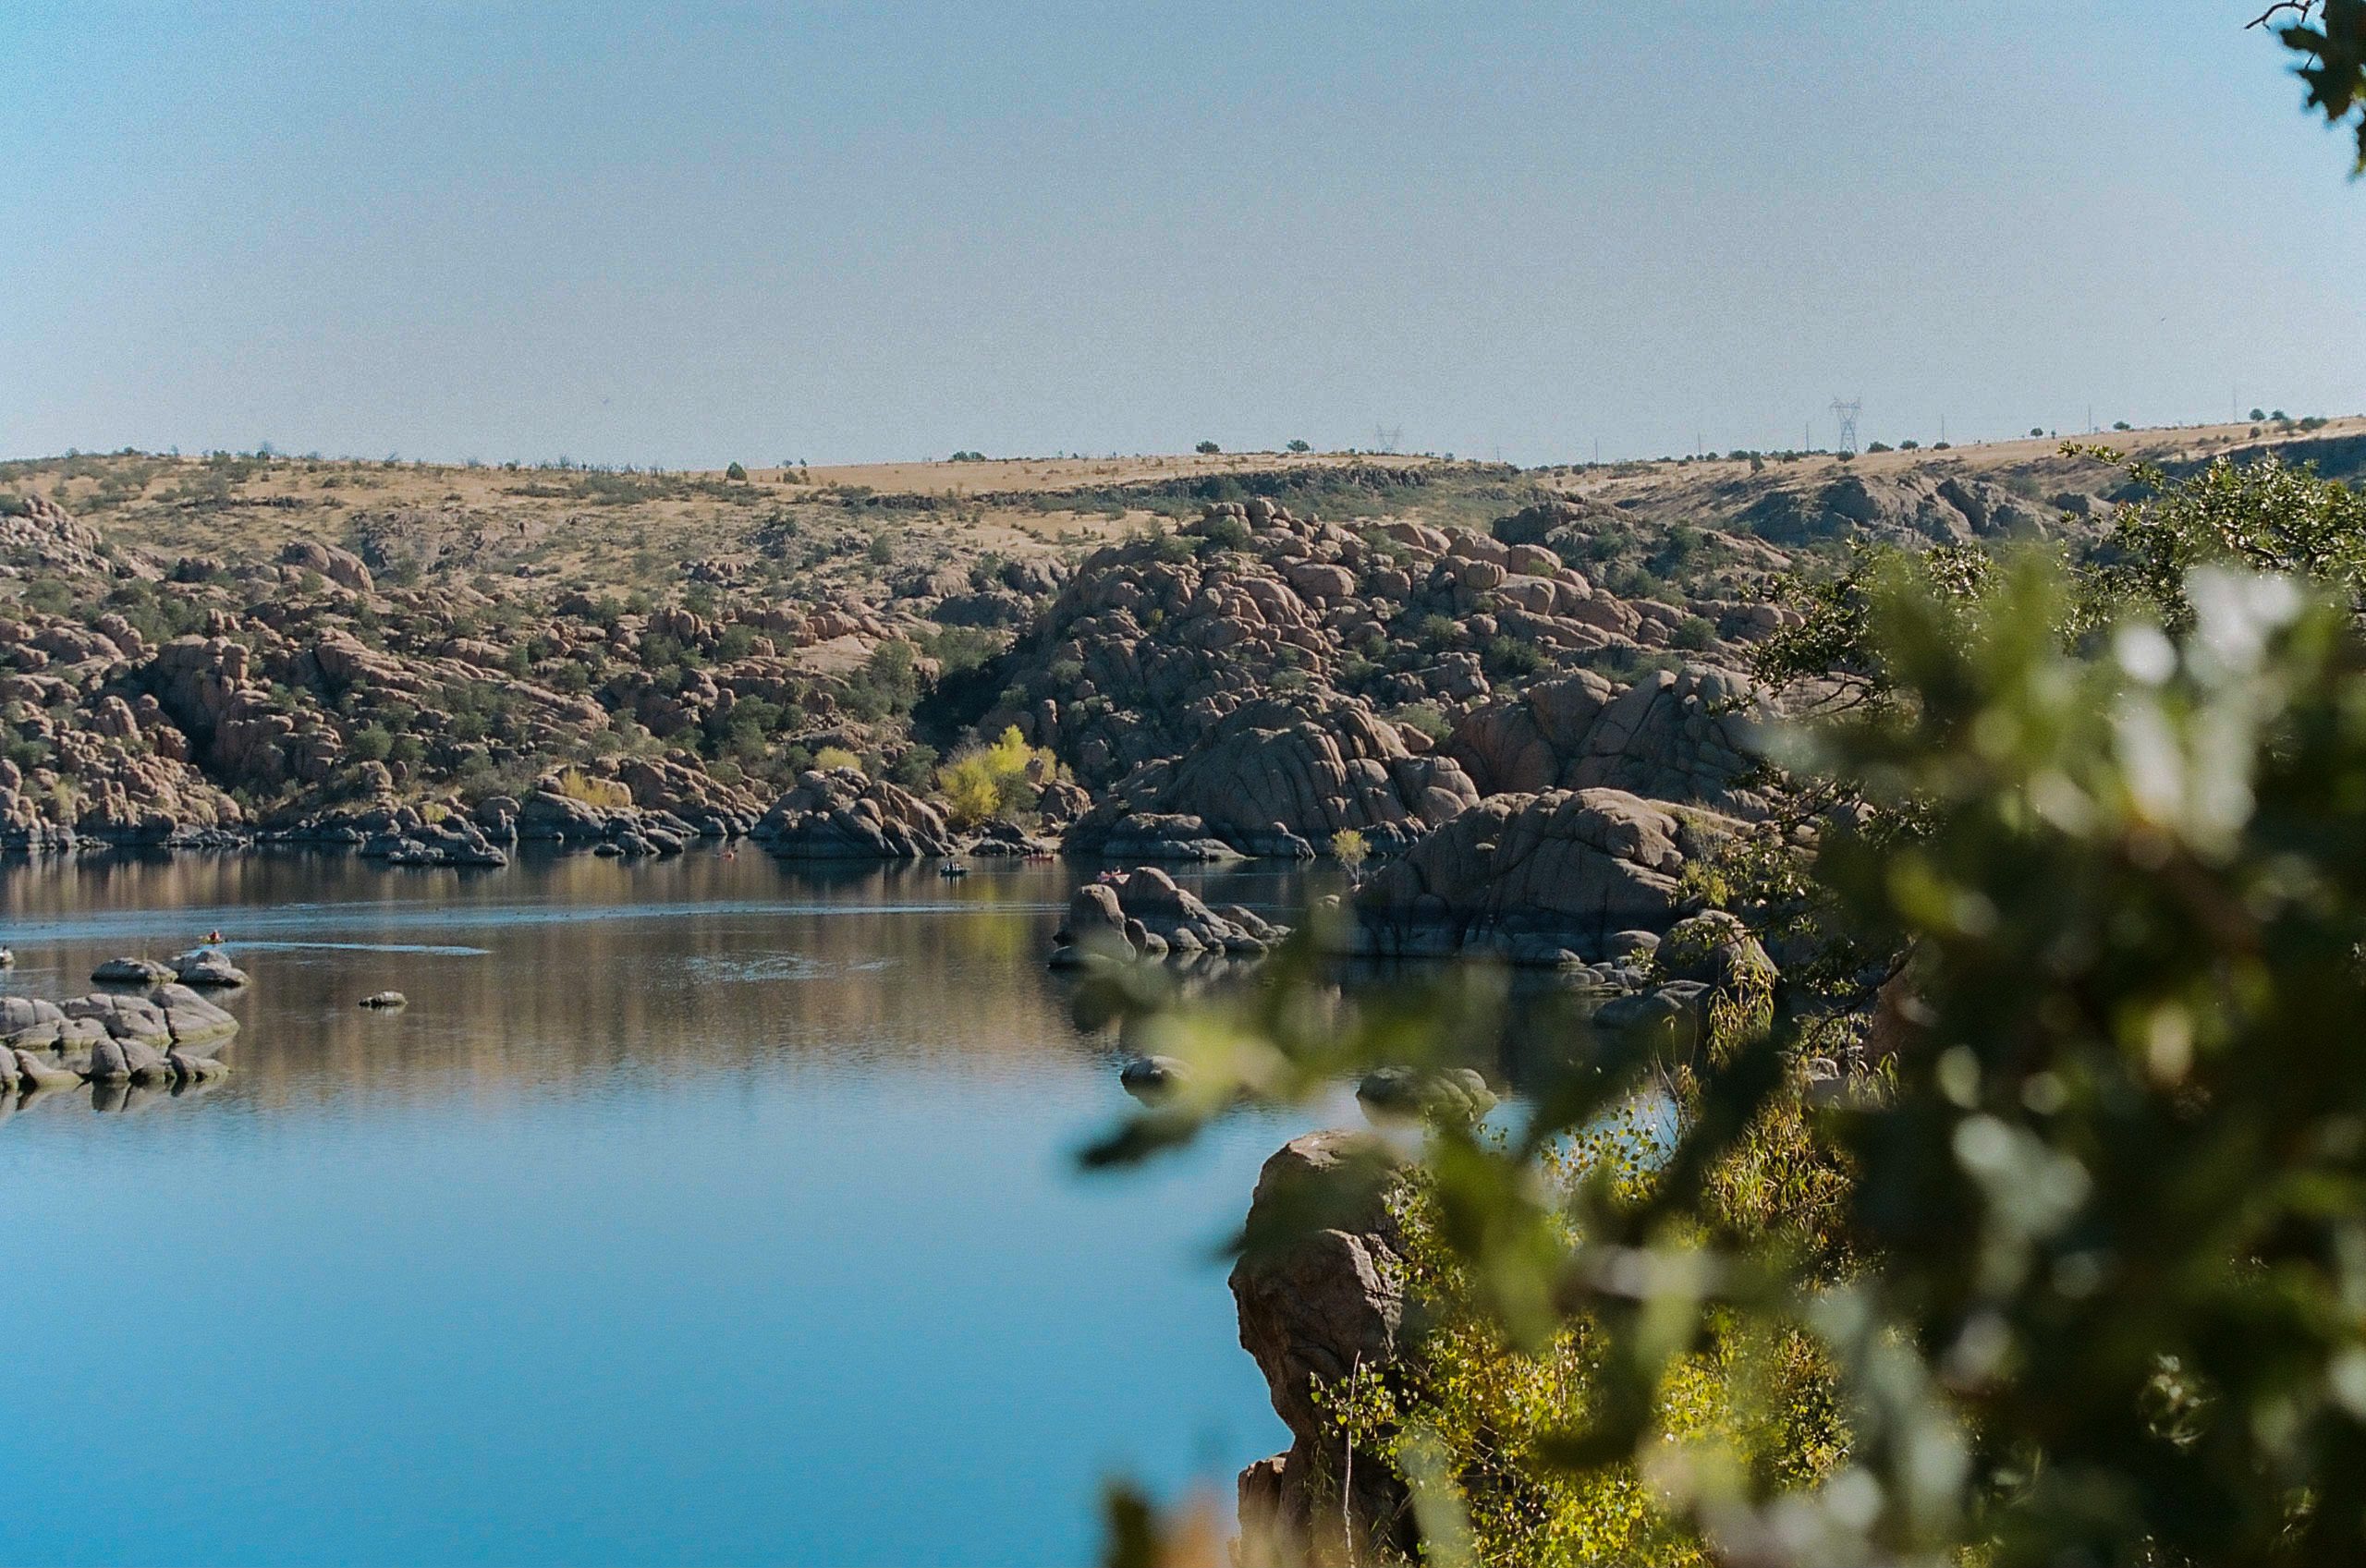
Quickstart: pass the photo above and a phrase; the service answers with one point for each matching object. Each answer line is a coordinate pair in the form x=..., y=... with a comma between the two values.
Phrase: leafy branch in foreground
x=2332, y=35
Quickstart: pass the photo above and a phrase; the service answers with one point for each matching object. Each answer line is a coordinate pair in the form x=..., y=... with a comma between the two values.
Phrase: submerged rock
x=385, y=999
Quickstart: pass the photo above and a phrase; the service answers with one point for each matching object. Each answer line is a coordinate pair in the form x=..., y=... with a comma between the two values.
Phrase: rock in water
x=145, y=1063
x=130, y=972
x=1714, y=948
x=1564, y=869
x=109, y=1064
x=385, y=999
x=191, y=1020
x=1319, y=1293
x=35, y=1071
x=187, y=1068
x=1407, y=1094
x=1145, y=914
x=1152, y=1078
x=208, y=966
x=842, y=815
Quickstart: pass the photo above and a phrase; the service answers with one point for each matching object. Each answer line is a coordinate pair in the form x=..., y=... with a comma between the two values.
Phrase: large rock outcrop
x=1537, y=878
x=842, y=815
x=1157, y=644
x=1320, y=1292
x=39, y=533
x=1687, y=737
x=1907, y=507
x=1279, y=779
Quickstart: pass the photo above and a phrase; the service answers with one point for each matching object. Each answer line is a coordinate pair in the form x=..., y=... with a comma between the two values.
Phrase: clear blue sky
x=840, y=232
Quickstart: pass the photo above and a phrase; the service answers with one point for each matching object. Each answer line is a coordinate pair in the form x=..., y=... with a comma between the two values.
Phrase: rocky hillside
x=1212, y=655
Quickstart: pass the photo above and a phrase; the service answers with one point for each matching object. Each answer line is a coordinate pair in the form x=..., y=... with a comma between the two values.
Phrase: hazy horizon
x=848, y=237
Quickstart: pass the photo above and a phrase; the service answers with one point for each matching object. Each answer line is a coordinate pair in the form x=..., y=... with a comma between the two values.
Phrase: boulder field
x=1252, y=684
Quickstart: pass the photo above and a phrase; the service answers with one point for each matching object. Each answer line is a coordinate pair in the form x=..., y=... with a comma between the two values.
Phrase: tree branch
x=2300, y=7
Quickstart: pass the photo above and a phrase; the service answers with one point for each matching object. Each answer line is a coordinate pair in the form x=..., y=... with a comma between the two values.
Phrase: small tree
x=1348, y=848
x=993, y=782
x=735, y=472
x=1300, y=446
x=1207, y=449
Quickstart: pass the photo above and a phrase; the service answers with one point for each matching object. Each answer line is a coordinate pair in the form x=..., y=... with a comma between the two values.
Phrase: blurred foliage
x=2331, y=36
x=2072, y=1248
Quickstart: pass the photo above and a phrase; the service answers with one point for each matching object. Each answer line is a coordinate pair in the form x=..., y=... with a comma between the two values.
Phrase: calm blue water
x=693, y=1212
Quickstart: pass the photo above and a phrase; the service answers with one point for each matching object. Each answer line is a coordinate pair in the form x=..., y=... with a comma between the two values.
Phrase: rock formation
x=1320, y=1292
x=1279, y=780
x=842, y=815
x=1689, y=736
x=1541, y=877
x=167, y=1035
x=1142, y=914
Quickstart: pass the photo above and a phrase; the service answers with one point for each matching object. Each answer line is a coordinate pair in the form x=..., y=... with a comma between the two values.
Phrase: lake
x=698, y=1210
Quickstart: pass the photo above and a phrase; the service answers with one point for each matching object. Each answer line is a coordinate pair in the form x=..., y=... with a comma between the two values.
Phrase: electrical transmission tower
x=1386, y=438
x=1846, y=412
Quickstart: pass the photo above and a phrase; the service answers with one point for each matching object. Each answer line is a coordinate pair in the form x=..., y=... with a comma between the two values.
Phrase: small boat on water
x=949, y=870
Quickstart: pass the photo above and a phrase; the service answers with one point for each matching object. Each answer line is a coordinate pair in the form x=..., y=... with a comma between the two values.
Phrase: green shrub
x=1226, y=532
x=1508, y=657
x=1436, y=632
x=1424, y=718
x=960, y=650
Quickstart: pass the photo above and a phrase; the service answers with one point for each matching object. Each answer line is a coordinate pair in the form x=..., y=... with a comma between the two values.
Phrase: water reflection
x=565, y=969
